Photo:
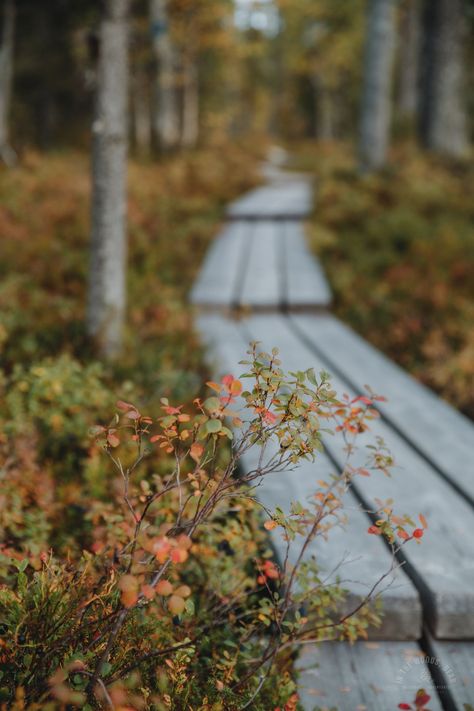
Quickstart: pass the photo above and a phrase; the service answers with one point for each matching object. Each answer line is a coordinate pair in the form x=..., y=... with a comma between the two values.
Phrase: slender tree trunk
x=377, y=86
x=190, y=130
x=165, y=107
x=444, y=120
x=410, y=47
x=142, y=130
x=107, y=290
x=323, y=110
x=7, y=154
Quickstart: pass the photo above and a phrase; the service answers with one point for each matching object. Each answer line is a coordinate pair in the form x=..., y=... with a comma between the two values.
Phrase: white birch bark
x=7, y=154
x=107, y=290
x=376, y=107
x=165, y=105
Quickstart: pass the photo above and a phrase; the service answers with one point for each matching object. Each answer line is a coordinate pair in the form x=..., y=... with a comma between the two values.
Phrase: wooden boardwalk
x=259, y=282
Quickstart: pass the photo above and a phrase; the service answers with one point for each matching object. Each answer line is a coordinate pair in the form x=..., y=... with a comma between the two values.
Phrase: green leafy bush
x=173, y=600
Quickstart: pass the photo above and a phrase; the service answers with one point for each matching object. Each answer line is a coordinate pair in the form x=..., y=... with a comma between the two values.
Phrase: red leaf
x=363, y=398
x=125, y=406
x=404, y=706
x=227, y=380
x=422, y=698
x=375, y=530
x=133, y=415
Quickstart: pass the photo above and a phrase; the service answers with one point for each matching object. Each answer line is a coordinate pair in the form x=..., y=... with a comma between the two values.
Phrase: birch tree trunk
x=7, y=154
x=410, y=50
x=165, y=106
x=190, y=130
x=377, y=84
x=444, y=118
x=107, y=289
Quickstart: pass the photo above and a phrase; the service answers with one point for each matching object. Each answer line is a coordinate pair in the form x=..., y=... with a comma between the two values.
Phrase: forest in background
x=372, y=98
x=380, y=94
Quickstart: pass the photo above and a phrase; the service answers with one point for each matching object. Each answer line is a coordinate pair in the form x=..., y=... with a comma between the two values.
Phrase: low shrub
x=398, y=248
x=174, y=599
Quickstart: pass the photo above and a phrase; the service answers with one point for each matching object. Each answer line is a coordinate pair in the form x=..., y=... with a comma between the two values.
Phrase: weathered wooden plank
x=281, y=198
x=435, y=429
x=452, y=664
x=443, y=566
x=262, y=285
x=366, y=676
x=304, y=280
x=218, y=279
x=350, y=555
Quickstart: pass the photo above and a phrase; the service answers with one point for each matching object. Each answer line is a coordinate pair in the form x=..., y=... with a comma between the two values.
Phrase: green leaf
x=213, y=426
x=212, y=404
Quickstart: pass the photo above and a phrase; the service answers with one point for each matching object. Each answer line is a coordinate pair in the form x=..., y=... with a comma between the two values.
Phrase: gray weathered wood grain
x=349, y=555
x=366, y=676
x=262, y=285
x=283, y=197
x=218, y=279
x=305, y=285
x=438, y=431
x=443, y=566
x=453, y=667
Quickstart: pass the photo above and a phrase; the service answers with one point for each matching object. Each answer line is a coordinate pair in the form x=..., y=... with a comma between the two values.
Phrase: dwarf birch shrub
x=176, y=601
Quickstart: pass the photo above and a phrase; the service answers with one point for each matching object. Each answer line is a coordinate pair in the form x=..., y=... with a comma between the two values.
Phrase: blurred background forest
x=373, y=98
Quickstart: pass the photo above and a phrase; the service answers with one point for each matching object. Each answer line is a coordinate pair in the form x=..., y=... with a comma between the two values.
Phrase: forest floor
x=52, y=386
x=175, y=207
x=398, y=249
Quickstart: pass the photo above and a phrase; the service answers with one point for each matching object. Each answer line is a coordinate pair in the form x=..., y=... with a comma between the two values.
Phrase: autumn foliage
x=170, y=597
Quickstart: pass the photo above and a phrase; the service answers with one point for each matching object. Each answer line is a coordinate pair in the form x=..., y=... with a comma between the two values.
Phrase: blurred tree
x=443, y=119
x=321, y=43
x=107, y=287
x=409, y=59
x=7, y=154
x=165, y=100
x=376, y=108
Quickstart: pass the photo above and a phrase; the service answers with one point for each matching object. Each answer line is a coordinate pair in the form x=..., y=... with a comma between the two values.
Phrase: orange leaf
x=236, y=387
x=148, y=591
x=176, y=604
x=270, y=525
x=196, y=451
x=214, y=386
x=423, y=521
x=184, y=541
x=164, y=587
x=178, y=555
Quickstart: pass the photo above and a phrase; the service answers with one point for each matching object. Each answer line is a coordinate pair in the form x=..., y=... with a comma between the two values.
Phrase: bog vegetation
x=135, y=571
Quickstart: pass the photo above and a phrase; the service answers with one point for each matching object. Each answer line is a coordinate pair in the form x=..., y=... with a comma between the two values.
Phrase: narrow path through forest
x=260, y=282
